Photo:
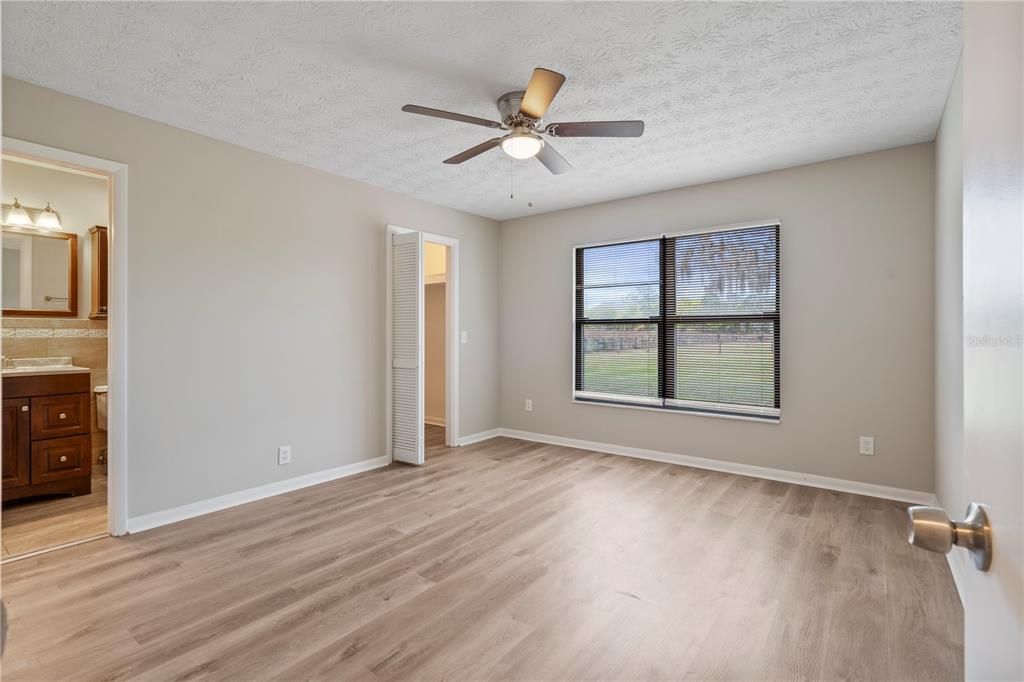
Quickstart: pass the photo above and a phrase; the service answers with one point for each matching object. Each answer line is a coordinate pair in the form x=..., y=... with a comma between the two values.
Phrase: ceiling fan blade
x=552, y=160
x=544, y=85
x=596, y=129
x=474, y=151
x=451, y=116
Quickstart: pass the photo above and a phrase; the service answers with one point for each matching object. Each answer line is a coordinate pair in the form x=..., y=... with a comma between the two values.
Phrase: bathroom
x=54, y=345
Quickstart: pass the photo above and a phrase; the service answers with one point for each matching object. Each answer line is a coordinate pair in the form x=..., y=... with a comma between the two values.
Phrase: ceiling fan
x=521, y=113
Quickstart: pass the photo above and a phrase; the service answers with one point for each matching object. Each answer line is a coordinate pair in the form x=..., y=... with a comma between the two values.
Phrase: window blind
x=688, y=322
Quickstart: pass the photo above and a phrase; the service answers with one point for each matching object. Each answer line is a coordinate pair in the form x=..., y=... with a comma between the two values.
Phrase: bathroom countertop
x=29, y=367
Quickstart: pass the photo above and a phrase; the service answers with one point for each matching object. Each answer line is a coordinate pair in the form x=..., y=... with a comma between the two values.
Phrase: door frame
x=117, y=320
x=452, y=339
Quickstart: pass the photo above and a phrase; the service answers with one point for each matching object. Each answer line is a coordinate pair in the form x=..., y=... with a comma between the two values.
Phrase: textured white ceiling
x=726, y=89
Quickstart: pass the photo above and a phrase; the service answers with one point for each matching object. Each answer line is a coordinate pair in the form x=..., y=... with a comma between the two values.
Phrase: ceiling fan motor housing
x=508, y=107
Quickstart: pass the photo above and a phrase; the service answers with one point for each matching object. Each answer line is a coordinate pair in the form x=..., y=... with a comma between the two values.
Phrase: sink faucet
x=5, y=362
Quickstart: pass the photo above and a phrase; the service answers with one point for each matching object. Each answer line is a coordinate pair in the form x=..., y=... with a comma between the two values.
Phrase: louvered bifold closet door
x=407, y=347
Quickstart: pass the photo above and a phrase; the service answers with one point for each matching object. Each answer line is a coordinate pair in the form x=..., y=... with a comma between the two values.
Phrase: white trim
x=615, y=399
x=956, y=567
x=813, y=480
x=482, y=436
x=189, y=511
x=434, y=421
x=776, y=419
x=117, y=323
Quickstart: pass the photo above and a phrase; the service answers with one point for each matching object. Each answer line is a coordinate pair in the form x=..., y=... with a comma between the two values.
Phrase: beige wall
x=256, y=303
x=857, y=318
x=433, y=353
x=80, y=200
x=950, y=469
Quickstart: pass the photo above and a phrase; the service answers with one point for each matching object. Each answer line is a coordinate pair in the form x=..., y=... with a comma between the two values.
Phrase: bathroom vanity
x=46, y=430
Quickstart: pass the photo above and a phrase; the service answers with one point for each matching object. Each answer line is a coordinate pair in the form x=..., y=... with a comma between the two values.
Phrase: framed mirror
x=40, y=273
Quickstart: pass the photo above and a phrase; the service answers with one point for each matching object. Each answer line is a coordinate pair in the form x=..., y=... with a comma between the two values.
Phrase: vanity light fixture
x=17, y=215
x=48, y=219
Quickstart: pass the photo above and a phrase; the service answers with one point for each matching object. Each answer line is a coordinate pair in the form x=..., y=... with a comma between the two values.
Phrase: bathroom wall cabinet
x=99, y=243
x=46, y=436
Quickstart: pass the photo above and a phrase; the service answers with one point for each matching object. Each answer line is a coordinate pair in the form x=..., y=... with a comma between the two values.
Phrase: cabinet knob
x=63, y=415
x=63, y=458
x=24, y=408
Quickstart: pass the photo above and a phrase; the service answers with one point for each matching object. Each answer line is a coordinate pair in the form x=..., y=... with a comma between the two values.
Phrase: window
x=687, y=322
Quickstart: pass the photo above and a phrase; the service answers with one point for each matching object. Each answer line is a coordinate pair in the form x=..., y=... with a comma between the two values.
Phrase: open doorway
x=435, y=314
x=64, y=367
x=55, y=226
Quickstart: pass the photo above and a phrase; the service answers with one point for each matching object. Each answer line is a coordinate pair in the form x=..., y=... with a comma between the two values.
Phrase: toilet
x=101, y=407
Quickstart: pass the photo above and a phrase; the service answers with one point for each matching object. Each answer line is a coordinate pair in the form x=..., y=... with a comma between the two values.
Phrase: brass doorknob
x=932, y=529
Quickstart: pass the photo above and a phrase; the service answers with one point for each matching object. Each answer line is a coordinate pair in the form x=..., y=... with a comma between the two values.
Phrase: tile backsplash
x=84, y=341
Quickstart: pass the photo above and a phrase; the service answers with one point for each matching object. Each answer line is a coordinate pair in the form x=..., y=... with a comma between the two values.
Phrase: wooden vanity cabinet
x=99, y=244
x=47, y=442
x=17, y=446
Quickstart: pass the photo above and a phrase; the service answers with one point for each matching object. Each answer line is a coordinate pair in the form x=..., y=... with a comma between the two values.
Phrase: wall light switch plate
x=465, y=336
x=284, y=454
x=529, y=405
x=867, y=445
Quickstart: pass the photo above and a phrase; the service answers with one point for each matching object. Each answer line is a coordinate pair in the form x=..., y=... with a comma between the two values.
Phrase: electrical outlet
x=284, y=454
x=867, y=445
x=529, y=405
x=465, y=336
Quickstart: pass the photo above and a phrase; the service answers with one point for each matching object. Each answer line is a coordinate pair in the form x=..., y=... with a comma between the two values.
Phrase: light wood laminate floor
x=501, y=560
x=32, y=524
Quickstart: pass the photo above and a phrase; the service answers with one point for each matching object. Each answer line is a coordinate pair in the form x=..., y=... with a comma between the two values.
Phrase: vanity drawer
x=54, y=416
x=60, y=458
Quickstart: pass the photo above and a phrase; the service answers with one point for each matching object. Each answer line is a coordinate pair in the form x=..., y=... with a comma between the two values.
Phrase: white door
x=406, y=347
x=994, y=328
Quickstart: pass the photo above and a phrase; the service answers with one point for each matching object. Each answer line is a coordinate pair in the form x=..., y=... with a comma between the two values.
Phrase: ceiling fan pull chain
x=511, y=182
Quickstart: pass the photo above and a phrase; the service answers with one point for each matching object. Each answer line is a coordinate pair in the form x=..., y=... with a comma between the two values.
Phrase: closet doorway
x=423, y=344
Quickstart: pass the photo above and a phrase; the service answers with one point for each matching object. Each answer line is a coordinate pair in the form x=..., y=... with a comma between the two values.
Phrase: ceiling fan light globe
x=521, y=145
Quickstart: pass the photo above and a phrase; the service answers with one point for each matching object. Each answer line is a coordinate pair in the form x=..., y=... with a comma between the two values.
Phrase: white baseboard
x=815, y=481
x=957, y=561
x=477, y=437
x=188, y=511
x=435, y=421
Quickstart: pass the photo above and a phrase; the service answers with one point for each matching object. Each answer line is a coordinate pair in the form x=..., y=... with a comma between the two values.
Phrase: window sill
x=679, y=410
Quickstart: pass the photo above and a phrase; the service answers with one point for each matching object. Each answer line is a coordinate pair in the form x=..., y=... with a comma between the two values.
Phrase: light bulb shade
x=17, y=215
x=521, y=145
x=48, y=219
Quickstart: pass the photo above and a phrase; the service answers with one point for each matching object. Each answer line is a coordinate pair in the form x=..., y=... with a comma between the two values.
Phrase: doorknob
x=932, y=529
